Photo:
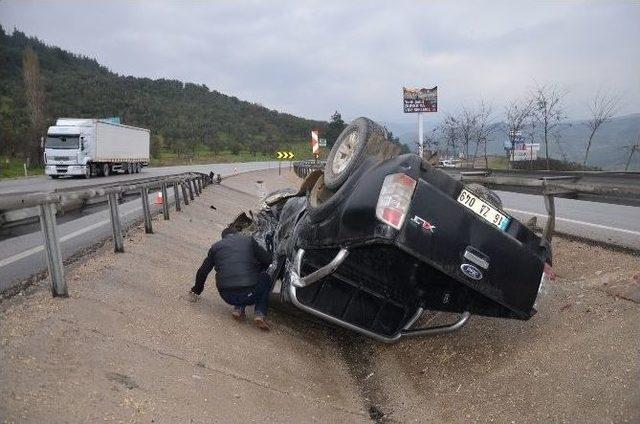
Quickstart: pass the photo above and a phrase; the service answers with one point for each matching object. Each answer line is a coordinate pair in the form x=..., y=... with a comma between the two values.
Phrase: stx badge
x=425, y=225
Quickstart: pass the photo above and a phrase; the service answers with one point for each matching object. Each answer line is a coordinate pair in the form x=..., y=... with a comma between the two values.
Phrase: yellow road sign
x=284, y=155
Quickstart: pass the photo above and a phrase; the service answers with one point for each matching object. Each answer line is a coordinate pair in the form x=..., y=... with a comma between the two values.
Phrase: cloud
x=311, y=58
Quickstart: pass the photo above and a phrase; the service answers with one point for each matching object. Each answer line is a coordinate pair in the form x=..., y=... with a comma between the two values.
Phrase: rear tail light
x=395, y=197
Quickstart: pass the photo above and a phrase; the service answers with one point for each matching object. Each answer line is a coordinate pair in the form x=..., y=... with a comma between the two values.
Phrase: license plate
x=484, y=210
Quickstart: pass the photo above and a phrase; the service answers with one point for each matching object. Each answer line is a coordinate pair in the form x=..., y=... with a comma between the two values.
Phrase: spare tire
x=485, y=194
x=359, y=139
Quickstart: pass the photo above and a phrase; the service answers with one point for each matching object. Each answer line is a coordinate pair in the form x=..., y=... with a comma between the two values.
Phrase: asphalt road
x=44, y=183
x=23, y=256
x=613, y=224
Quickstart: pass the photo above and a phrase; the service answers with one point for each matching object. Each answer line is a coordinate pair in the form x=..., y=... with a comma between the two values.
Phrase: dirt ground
x=126, y=346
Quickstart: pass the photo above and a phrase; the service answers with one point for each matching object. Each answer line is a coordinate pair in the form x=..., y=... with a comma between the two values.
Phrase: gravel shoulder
x=127, y=347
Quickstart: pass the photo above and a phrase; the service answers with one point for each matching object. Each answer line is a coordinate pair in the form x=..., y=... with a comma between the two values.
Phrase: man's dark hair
x=228, y=231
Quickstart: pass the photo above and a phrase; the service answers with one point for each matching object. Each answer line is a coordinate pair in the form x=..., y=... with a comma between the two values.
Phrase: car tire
x=485, y=194
x=359, y=139
x=322, y=202
x=54, y=177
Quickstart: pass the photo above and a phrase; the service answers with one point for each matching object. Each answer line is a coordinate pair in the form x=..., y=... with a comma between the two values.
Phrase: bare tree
x=467, y=122
x=449, y=128
x=518, y=114
x=483, y=130
x=602, y=108
x=548, y=111
x=34, y=92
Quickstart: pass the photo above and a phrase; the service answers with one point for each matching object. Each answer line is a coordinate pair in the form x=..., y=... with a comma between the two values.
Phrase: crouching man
x=240, y=265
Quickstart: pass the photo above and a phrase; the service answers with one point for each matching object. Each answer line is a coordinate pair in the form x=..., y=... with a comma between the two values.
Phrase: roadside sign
x=322, y=142
x=417, y=100
x=525, y=151
x=314, y=142
x=284, y=155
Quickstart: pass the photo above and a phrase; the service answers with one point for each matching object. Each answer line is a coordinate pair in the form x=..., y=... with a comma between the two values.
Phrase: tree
x=35, y=103
x=548, y=111
x=7, y=127
x=334, y=129
x=449, y=129
x=156, y=145
x=467, y=122
x=483, y=130
x=602, y=109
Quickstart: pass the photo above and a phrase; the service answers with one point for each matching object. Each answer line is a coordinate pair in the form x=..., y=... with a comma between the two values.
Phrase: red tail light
x=394, y=199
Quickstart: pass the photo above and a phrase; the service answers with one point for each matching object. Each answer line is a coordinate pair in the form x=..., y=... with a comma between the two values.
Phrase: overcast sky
x=311, y=58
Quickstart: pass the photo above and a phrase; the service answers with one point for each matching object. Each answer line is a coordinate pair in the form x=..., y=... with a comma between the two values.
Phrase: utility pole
x=633, y=150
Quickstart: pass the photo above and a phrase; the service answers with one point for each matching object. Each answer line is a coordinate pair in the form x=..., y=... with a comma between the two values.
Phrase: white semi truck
x=94, y=147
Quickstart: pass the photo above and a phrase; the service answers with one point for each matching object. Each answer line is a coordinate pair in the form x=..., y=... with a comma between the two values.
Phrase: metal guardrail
x=623, y=189
x=187, y=183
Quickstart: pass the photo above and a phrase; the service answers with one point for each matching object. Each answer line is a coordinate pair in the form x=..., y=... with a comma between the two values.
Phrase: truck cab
x=67, y=147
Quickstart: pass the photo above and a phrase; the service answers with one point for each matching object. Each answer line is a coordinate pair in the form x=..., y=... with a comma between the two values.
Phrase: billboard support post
x=420, y=136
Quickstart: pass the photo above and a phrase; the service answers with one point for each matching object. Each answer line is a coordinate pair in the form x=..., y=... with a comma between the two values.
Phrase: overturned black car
x=377, y=239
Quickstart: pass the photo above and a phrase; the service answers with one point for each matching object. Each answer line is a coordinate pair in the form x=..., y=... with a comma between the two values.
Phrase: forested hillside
x=183, y=117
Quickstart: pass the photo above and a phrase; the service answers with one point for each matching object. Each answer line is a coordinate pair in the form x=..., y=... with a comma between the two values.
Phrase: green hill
x=185, y=119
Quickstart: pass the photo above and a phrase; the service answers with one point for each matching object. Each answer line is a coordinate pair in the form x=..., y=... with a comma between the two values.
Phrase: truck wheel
x=126, y=167
x=87, y=171
x=138, y=168
x=485, y=194
x=361, y=138
x=106, y=169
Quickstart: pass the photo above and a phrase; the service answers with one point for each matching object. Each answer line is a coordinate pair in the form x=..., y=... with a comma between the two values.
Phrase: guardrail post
x=144, y=195
x=195, y=187
x=176, y=196
x=199, y=183
x=190, y=187
x=118, y=243
x=52, y=248
x=184, y=192
x=165, y=201
x=549, y=204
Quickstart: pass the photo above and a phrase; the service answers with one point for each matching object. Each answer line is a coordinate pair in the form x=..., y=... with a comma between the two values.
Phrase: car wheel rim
x=345, y=153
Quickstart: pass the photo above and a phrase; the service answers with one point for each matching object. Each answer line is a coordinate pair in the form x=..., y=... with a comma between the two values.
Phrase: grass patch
x=14, y=168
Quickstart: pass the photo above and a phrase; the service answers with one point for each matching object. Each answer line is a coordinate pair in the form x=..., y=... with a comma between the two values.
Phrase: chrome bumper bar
x=297, y=281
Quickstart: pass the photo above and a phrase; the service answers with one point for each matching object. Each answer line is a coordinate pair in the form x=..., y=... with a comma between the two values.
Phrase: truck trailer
x=94, y=147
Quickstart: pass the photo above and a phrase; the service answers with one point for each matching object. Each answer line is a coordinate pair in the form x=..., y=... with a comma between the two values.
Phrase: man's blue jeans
x=257, y=295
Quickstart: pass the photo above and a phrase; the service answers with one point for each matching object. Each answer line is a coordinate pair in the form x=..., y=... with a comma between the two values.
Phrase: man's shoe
x=192, y=297
x=238, y=314
x=261, y=323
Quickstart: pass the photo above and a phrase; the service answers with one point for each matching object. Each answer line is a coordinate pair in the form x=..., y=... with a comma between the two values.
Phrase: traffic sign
x=284, y=155
x=322, y=142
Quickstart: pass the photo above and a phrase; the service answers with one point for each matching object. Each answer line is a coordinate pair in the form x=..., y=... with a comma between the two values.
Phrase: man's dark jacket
x=238, y=260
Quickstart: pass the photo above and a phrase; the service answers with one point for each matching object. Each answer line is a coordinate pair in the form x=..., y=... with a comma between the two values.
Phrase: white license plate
x=485, y=210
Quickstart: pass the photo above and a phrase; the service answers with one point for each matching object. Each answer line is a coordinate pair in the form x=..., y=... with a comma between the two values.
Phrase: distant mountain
x=609, y=149
x=185, y=115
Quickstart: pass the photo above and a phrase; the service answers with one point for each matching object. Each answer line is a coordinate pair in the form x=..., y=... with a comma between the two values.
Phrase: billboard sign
x=420, y=99
x=525, y=151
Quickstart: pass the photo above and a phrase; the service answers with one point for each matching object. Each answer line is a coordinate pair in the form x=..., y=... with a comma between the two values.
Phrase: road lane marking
x=32, y=251
x=573, y=221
